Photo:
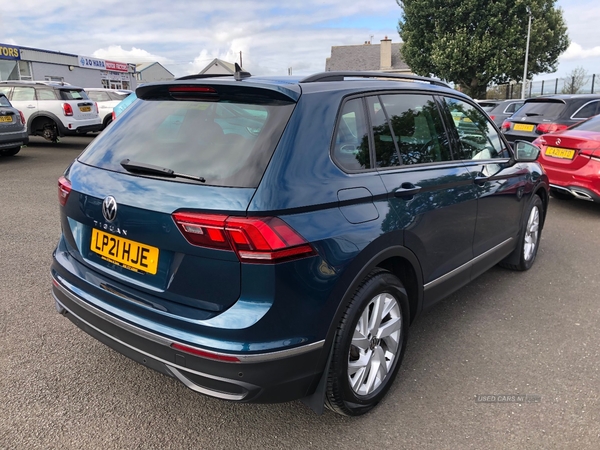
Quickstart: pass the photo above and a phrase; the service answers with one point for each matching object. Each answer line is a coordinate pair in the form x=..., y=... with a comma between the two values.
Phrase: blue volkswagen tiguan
x=270, y=239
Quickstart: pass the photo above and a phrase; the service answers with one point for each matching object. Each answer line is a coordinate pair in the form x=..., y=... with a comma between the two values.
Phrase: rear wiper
x=149, y=169
x=532, y=114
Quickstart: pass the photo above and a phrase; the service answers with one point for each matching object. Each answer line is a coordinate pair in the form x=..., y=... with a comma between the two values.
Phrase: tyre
x=106, y=122
x=529, y=238
x=10, y=151
x=369, y=345
x=561, y=195
x=50, y=132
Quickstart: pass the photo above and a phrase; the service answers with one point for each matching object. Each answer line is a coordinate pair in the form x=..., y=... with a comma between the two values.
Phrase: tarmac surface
x=507, y=334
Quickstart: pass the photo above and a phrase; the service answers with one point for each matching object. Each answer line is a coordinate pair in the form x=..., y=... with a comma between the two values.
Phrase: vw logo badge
x=109, y=208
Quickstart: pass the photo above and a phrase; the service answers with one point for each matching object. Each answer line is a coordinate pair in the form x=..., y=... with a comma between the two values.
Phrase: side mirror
x=525, y=151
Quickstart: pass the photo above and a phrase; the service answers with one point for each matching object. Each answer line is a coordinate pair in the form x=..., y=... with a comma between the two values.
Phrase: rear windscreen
x=226, y=143
x=547, y=110
x=4, y=101
x=73, y=94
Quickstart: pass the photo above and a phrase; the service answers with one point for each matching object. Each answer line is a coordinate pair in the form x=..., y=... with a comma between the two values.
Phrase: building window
x=25, y=70
x=51, y=78
x=8, y=70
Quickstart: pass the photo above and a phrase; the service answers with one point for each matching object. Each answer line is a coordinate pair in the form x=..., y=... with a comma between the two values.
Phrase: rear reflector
x=259, y=239
x=64, y=189
x=204, y=353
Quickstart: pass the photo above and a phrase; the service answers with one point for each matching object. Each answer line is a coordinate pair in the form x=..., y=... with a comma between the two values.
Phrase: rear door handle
x=407, y=190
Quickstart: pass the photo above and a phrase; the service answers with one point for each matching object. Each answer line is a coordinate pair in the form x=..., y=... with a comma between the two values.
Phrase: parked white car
x=107, y=99
x=53, y=109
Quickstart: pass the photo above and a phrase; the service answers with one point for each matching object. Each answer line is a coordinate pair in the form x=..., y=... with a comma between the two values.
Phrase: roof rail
x=46, y=83
x=341, y=76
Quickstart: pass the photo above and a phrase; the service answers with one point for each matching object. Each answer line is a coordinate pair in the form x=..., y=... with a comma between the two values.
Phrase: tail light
x=589, y=148
x=493, y=117
x=114, y=116
x=67, y=109
x=64, y=189
x=257, y=240
x=544, y=128
x=97, y=110
x=505, y=125
x=22, y=117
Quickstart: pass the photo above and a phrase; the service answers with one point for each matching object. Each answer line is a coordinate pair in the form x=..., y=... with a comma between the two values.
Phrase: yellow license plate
x=563, y=153
x=523, y=127
x=125, y=253
x=5, y=118
x=85, y=108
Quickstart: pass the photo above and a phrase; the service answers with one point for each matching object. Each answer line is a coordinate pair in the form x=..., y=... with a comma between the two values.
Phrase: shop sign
x=116, y=66
x=91, y=63
x=9, y=52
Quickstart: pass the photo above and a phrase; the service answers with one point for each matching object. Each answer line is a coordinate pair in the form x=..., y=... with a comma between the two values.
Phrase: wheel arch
x=382, y=254
x=45, y=117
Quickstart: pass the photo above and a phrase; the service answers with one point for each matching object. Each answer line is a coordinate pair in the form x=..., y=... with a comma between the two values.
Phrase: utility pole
x=241, y=65
x=526, y=55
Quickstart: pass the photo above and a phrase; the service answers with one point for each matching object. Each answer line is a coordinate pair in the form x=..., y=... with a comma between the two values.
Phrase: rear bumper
x=80, y=127
x=268, y=377
x=583, y=183
x=16, y=139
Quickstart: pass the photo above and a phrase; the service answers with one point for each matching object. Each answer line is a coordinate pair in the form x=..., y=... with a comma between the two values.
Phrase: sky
x=272, y=35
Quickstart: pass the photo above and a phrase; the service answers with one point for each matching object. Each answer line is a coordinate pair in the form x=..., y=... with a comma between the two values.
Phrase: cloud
x=135, y=55
x=576, y=51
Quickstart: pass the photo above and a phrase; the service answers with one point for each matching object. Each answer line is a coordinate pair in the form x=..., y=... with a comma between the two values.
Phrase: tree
x=476, y=42
x=575, y=80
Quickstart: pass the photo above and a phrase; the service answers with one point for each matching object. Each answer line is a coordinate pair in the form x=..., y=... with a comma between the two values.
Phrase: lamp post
x=526, y=55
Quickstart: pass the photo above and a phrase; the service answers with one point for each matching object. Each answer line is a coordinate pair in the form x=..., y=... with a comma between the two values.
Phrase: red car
x=571, y=159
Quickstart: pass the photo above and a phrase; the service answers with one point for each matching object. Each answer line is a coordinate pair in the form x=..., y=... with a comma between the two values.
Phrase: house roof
x=140, y=67
x=363, y=57
x=230, y=67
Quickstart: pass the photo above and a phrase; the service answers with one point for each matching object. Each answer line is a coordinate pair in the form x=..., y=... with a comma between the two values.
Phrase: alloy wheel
x=375, y=344
x=531, y=233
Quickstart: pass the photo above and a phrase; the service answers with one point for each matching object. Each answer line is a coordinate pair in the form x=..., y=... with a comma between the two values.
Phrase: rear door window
x=417, y=132
x=46, y=94
x=226, y=143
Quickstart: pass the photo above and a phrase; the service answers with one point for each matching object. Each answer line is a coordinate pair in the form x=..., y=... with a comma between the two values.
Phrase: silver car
x=13, y=132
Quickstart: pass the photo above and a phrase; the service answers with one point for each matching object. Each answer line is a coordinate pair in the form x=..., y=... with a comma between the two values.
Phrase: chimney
x=386, y=54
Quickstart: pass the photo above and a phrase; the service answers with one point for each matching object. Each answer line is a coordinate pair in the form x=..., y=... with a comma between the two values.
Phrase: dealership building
x=24, y=63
